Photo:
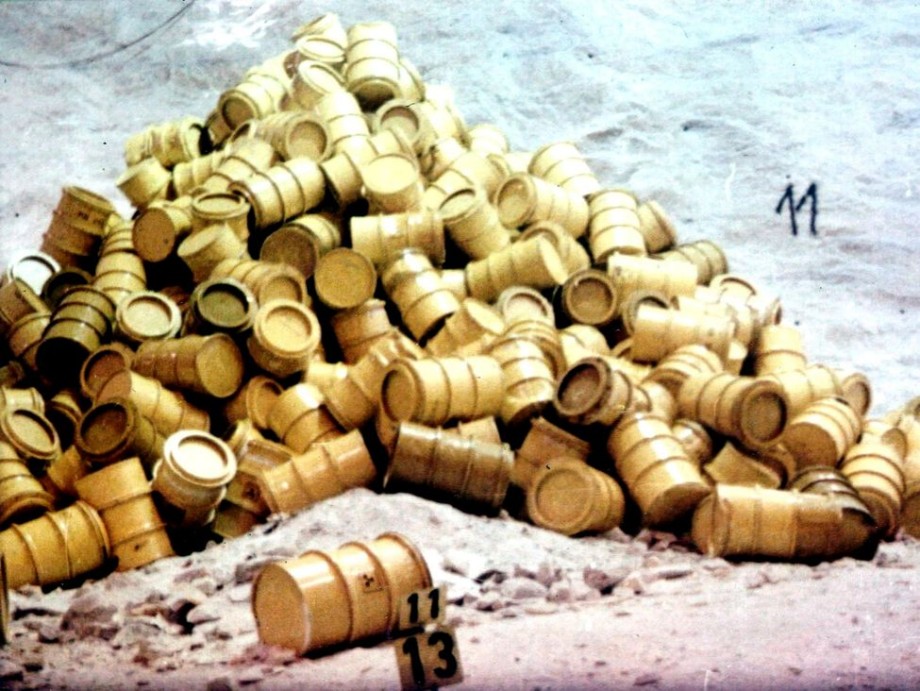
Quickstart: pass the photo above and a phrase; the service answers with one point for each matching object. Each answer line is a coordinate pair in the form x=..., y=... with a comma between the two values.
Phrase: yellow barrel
x=322, y=599
x=568, y=496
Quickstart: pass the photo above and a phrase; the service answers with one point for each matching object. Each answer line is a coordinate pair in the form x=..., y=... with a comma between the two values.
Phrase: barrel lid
x=399, y=392
x=287, y=328
x=148, y=315
x=31, y=433
x=219, y=365
x=213, y=205
x=35, y=268
x=261, y=395
x=560, y=495
x=294, y=246
x=156, y=231
x=101, y=364
x=344, y=278
x=105, y=427
x=589, y=297
x=582, y=387
x=225, y=303
x=200, y=457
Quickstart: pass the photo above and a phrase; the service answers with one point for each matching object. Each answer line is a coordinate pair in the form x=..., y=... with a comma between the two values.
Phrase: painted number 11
x=788, y=200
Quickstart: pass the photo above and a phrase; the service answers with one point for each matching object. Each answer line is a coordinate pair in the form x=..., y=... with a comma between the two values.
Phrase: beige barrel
x=452, y=173
x=119, y=274
x=313, y=80
x=473, y=223
x=344, y=278
x=343, y=170
x=676, y=367
x=285, y=335
x=113, y=430
x=18, y=300
x=468, y=331
x=631, y=274
x=207, y=248
x=434, y=390
x=695, y=439
x=380, y=237
x=561, y=163
x=545, y=440
x=80, y=324
x=761, y=522
x=302, y=241
x=101, y=365
x=522, y=199
x=530, y=385
x=522, y=303
x=358, y=328
x=705, y=255
x=62, y=473
x=372, y=69
x=210, y=365
x=574, y=257
x=656, y=227
x=168, y=410
x=822, y=433
x=856, y=390
x=593, y=392
x=283, y=192
x=146, y=315
x=192, y=477
x=416, y=288
x=253, y=401
x=299, y=418
x=589, y=296
x=735, y=466
x=568, y=496
x=31, y=434
x=22, y=497
x=613, y=225
x=122, y=496
x=246, y=158
x=341, y=114
x=255, y=97
x=160, y=228
x=267, y=280
x=220, y=305
x=393, y=183
x=652, y=463
x=658, y=332
x=447, y=466
x=581, y=340
x=876, y=471
x=55, y=548
x=354, y=399
x=805, y=386
x=779, y=349
x=754, y=411
x=324, y=599
x=325, y=470
x=534, y=263
x=144, y=182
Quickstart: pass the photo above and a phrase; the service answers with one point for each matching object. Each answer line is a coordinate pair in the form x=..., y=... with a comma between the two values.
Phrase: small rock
x=670, y=572
x=250, y=676
x=582, y=592
x=190, y=575
x=11, y=671
x=47, y=633
x=490, y=601
x=647, y=679
x=632, y=583
x=89, y=616
x=240, y=593
x=33, y=663
x=604, y=579
x=205, y=612
x=547, y=574
x=220, y=684
x=541, y=608
x=753, y=581
x=561, y=591
x=509, y=613
x=517, y=588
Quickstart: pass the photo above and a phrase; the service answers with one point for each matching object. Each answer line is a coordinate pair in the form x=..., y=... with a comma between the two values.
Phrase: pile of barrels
x=333, y=281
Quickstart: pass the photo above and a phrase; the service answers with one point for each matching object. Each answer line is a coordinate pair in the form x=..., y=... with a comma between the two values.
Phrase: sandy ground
x=712, y=109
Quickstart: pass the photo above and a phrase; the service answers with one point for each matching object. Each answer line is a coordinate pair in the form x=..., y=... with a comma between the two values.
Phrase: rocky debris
x=91, y=615
x=648, y=679
x=11, y=671
x=220, y=684
x=517, y=588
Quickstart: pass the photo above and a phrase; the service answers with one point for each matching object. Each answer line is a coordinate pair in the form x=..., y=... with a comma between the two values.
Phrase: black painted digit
x=410, y=648
x=812, y=192
x=435, y=598
x=788, y=197
x=413, y=608
x=446, y=654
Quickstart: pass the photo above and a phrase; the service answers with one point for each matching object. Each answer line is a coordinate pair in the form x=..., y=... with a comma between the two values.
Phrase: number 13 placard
x=429, y=659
